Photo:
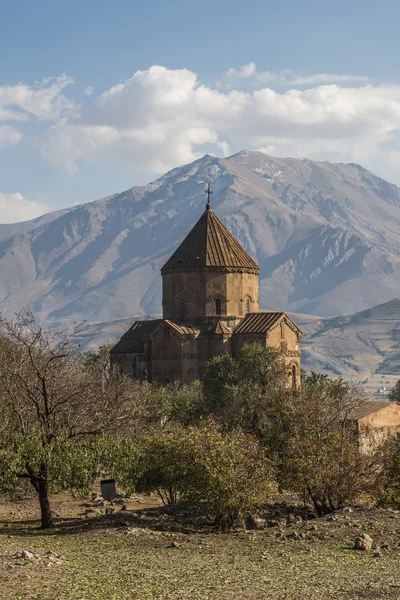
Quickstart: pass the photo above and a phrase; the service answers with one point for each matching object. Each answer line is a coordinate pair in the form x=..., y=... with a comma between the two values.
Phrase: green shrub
x=224, y=473
x=391, y=492
x=321, y=458
x=150, y=463
x=230, y=472
x=394, y=395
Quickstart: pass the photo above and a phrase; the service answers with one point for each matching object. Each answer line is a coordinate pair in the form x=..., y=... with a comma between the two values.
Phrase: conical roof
x=210, y=244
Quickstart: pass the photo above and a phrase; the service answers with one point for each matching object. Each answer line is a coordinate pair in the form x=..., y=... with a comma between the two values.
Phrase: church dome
x=210, y=244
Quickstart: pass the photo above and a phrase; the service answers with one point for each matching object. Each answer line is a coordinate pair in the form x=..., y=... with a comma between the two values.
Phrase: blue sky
x=96, y=97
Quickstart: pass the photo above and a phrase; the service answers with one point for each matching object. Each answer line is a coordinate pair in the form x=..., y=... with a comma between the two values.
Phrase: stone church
x=210, y=306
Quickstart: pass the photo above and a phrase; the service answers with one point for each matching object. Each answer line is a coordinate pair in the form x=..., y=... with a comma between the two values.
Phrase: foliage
x=394, y=395
x=391, y=487
x=53, y=410
x=322, y=460
x=150, y=463
x=70, y=464
x=230, y=472
x=227, y=471
x=238, y=391
x=97, y=360
x=187, y=405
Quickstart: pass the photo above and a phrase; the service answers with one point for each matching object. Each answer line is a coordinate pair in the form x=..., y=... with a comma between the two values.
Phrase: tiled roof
x=368, y=408
x=210, y=244
x=133, y=340
x=222, y=328
x=260, y=322
x=182, y=329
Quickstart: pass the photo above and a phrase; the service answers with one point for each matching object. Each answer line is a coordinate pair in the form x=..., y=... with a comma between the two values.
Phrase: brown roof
x=368, y=408
x=258, y=322
x=221, y=328
x=210, y=244
x=133, y=340
x=182, y=329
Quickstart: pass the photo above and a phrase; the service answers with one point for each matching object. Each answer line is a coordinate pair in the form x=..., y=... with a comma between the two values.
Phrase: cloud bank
x=160, y=118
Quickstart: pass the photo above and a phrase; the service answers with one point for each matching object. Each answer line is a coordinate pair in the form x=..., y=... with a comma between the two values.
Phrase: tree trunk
x=46, y=516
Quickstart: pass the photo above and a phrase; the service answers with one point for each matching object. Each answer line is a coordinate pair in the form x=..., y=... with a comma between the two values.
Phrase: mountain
x=9, y=229
x=357, y=345
x=326, y=237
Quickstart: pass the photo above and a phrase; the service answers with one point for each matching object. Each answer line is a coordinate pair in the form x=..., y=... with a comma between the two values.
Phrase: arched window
x=247, y=305
x=294, y=377
x=182, y=310
x=218, y=306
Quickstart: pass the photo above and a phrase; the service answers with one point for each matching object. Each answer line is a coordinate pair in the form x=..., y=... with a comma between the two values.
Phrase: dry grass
x=147, y=554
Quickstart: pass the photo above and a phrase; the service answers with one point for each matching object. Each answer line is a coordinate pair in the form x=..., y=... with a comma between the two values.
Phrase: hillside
x=361, y=344
x=326, y=237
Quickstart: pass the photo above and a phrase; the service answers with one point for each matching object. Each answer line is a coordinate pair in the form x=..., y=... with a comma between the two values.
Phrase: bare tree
x=54, y=409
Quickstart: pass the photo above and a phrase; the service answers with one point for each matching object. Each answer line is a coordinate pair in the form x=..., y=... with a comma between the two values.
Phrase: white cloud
x=289, y=78
x=9, y=136
x=20, y=102
x=43, y=100
x=88, y=91
x=285, y=77
x=15, y=208
x=160, y=118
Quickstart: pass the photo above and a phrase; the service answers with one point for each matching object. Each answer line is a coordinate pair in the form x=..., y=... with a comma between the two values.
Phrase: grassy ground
x=147, y=553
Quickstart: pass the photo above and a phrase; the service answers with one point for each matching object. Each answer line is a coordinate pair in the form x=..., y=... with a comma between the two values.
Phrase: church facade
x=210, y=306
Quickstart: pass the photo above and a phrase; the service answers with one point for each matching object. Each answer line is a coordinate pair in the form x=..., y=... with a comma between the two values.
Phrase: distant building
x=375, y=421
x=210, y=306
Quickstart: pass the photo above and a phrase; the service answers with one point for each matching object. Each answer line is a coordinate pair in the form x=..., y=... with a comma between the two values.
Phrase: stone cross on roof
x=208, y=192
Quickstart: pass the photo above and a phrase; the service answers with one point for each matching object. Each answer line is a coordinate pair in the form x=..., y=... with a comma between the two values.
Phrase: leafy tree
x=337, y=387
x=53, y=410
x=239, y=390
x=321, y=459
x=98, y=360
x=187, y=405
x=314, y=378
x=150, y=463
x=394, y=395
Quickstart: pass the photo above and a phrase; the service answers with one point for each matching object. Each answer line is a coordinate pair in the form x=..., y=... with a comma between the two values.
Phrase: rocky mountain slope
x=357, y=345
x=326, y=237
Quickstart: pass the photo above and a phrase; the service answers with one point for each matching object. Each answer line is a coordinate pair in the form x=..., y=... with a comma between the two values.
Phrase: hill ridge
x=326, y=238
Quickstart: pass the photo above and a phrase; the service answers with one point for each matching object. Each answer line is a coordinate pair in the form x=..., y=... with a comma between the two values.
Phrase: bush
x=322, y=460
x=150, y=463
x=394, y=395
x=230, y=473
x=391, y=491
x=226, y=473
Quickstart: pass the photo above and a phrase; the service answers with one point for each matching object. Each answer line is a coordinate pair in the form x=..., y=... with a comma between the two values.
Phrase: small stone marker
x=108, y=489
